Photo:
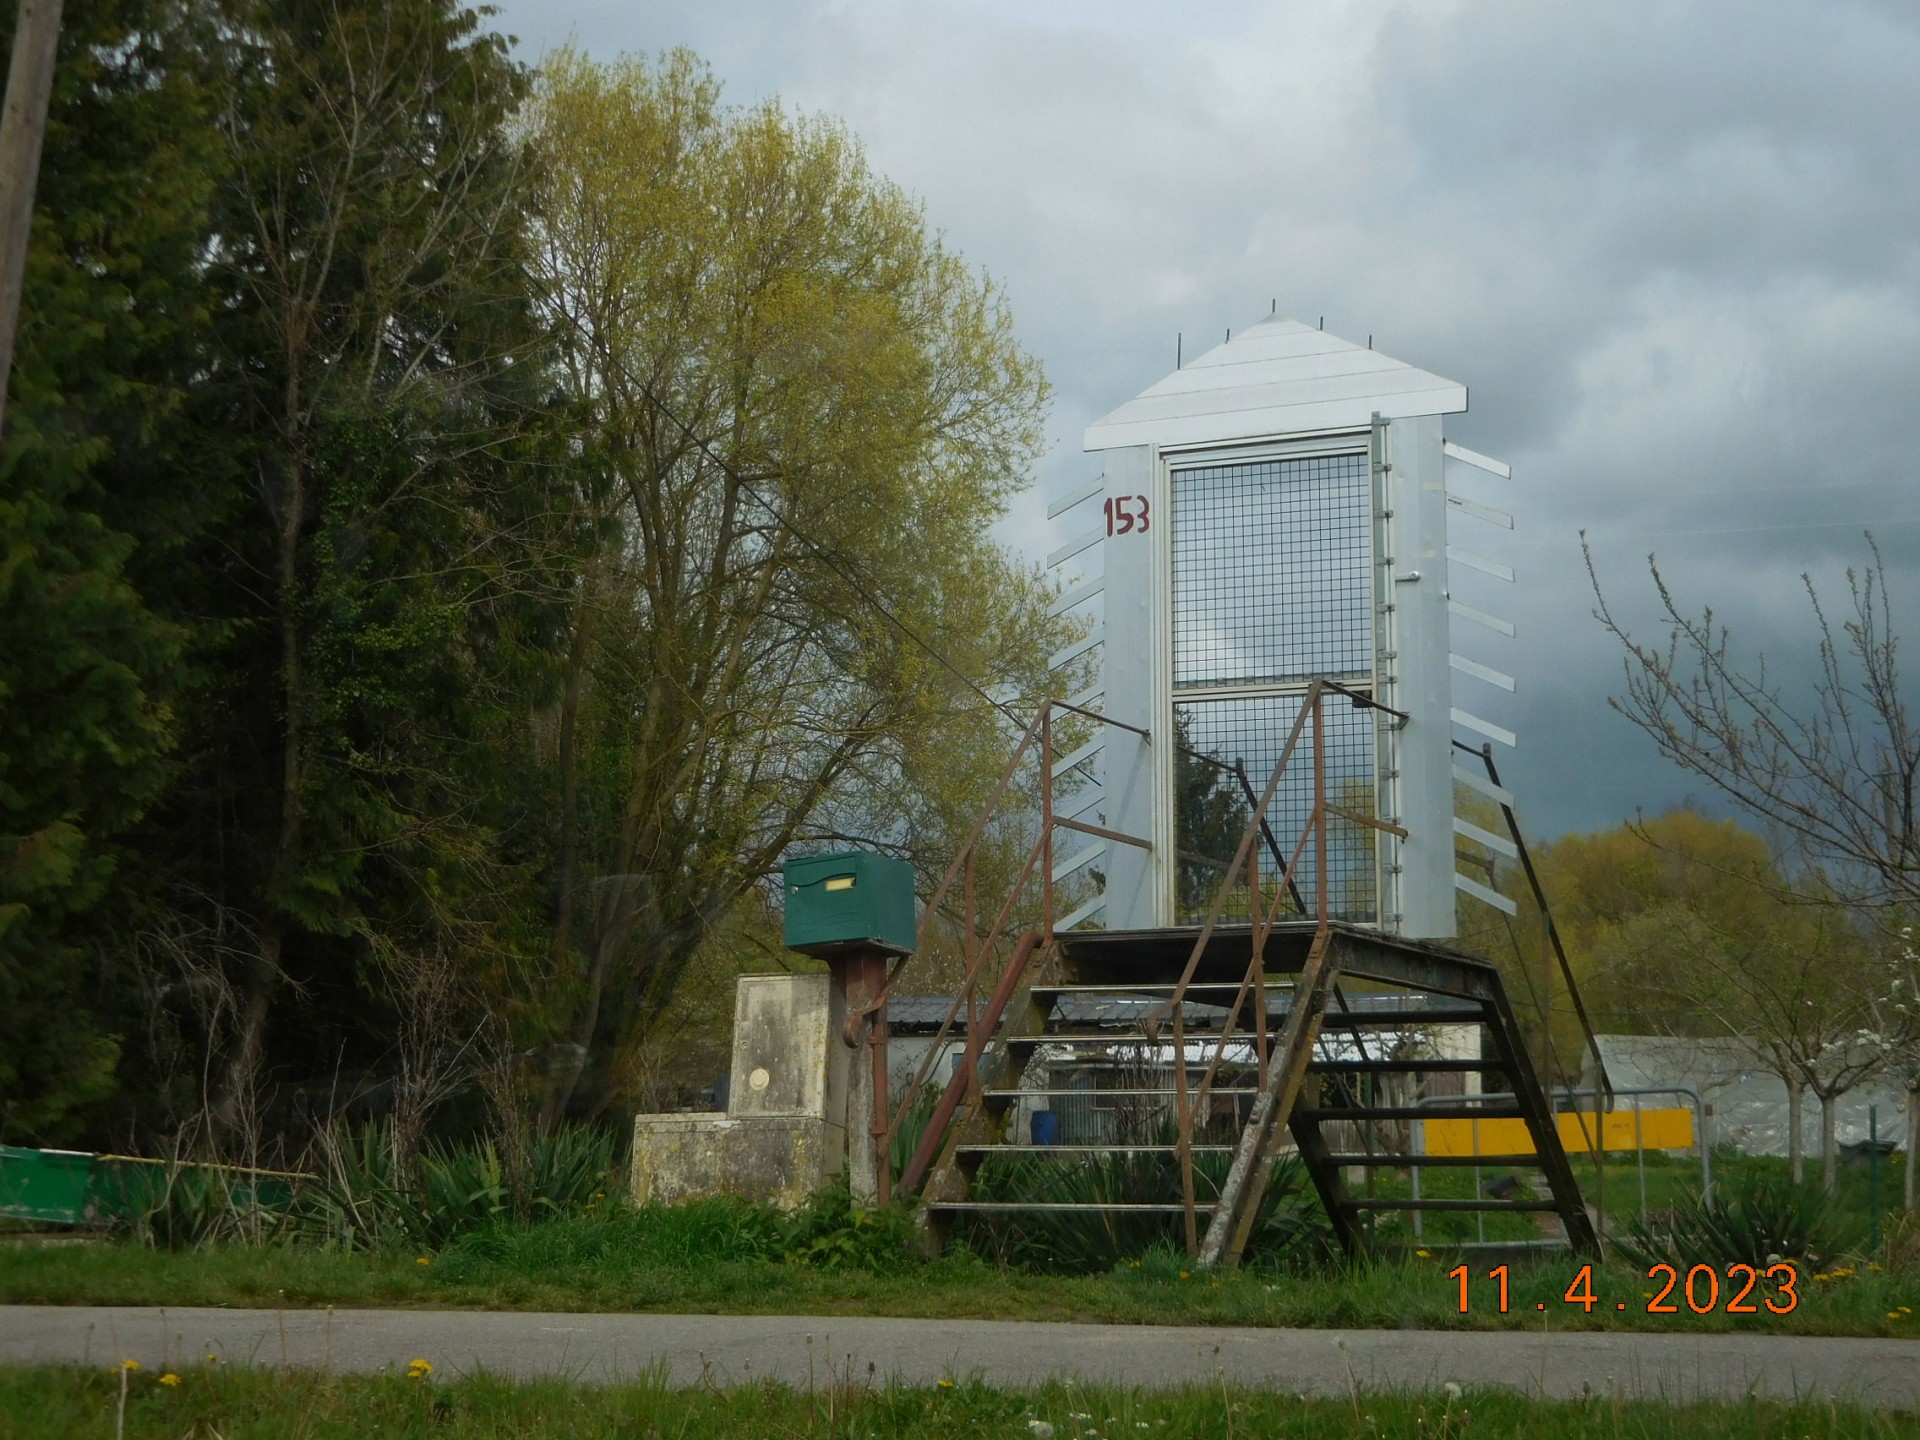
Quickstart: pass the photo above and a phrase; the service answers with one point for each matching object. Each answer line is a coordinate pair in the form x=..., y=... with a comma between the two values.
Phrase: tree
x=1893, y=1036
x=1210, y=814
x=1838, y=773
x=1795, y=993
x=803, y=414
x=1676, y=925
x=98, y=440
x=381, y=579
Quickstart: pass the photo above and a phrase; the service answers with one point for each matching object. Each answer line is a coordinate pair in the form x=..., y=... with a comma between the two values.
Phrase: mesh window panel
x=1271, y=571
x=1211, y=808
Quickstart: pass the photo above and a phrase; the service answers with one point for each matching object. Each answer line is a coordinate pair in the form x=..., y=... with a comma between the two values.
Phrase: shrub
x=832, y=1233
x=175, y=1206
x=360, y=1200
x=1755, y=1218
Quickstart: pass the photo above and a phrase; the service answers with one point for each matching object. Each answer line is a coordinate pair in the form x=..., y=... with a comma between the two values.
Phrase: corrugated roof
x=1278, y=377
x=908, y=1014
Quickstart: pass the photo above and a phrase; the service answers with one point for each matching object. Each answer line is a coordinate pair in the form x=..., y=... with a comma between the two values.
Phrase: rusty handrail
x=1263, y=915
x=976, y=948
x=1186, y=1108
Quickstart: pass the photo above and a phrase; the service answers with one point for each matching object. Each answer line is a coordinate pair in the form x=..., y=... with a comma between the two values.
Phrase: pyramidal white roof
x=1275, y=378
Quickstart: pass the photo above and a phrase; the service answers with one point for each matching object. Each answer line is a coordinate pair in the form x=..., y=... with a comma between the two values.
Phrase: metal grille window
x=1272, y=571
x=1219, y=738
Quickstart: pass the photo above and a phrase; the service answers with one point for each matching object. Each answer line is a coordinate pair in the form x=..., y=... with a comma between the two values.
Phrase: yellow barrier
x=1655, y=1130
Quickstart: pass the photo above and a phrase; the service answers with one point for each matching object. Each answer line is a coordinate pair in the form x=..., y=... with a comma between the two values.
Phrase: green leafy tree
x=1210, y=814
x=1677, y=925
x=805, y=412
x=385, y=585
x=114, y=329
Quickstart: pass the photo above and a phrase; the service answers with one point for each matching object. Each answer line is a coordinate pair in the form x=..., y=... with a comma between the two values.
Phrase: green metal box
x=45, y=1186
x=856, y=900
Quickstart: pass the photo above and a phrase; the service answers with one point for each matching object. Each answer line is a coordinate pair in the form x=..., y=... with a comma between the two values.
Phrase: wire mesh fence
x=1228, y=748
x=1272, y=571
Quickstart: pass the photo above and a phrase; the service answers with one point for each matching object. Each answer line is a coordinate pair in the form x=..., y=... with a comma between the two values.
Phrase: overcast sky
x=1672, y=249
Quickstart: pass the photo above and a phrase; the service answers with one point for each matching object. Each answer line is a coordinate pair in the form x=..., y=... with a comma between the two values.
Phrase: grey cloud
x=1671, y=248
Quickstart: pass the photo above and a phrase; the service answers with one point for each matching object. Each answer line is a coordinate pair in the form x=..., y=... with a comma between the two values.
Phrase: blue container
x=1046, y=1128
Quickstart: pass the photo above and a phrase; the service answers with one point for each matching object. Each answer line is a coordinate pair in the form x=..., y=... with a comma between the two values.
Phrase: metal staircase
x=1274, y=1032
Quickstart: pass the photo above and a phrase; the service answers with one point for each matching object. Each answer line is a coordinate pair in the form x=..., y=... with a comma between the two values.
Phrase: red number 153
x=1125, y=514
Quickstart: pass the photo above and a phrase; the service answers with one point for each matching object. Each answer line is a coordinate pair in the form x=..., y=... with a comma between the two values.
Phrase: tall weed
x=361, y=1200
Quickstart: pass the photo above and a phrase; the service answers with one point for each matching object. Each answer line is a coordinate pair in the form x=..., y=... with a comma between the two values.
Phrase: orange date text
x=1702, y=1289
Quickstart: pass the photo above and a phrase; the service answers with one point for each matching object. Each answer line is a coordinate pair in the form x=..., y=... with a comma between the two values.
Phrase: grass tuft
x=49, y=1400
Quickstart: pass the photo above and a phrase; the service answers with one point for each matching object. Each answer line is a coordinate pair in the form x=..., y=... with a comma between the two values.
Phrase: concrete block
x=783, y=1036
x=781, y=1159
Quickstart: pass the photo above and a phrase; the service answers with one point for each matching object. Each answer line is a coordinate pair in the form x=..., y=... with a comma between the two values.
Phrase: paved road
x=729, y=1348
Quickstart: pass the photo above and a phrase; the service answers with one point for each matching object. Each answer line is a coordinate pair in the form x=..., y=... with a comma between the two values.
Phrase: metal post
x=879, y=1130
x=1873, y=1174
x=1599, y=1167
x=1046, y=822
x=1479, y=1216
x=1319, y=815
x=1546, y=1001
x=1418, y=1130
x=1640, y=1149
x=36, y=43
x=1257, y=916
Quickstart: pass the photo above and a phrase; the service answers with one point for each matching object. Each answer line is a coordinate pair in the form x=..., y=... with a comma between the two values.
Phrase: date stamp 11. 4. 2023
x=1702, y=1289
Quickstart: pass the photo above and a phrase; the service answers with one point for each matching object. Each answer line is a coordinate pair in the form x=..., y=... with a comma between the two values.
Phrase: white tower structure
x=1273, y=512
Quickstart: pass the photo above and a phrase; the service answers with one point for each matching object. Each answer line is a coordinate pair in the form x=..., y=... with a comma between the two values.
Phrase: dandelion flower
x=946, y=1384
x=1453, y=1390
x=1041, y=1429
x=129, y=1364
x=1184, y=1274
x=418, y=1369
x=1424, y=1254
x=423, y=1260
x=169, y=1378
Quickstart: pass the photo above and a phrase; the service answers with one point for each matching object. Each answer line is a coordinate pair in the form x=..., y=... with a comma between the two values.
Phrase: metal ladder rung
x=1017, y=1206
x=1406, y=1067
x=1392, y=1203
x=1013, y=1149
x=1407, y=1112
x=1167, y=1093
x=1403, y=1162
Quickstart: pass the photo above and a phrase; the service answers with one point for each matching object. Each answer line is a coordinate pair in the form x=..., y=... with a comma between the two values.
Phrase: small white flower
x=1453, y=1390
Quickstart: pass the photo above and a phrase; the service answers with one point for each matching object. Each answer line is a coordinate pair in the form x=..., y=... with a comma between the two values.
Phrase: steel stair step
x=1159, y=988
x=1018, y=1206
x=1405, y=1162
x=1321, y=1115
x=1011, y=1149
x=1167, y=1093
x=1406, y=1067
x=1359, y=1202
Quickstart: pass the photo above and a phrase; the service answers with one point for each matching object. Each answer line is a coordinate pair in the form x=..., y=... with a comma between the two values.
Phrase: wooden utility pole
x=36, y=38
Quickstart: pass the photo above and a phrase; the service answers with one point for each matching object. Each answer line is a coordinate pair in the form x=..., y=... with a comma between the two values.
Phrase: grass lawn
x=43, y=1401
x=728, y=1257
x=614, y=1264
